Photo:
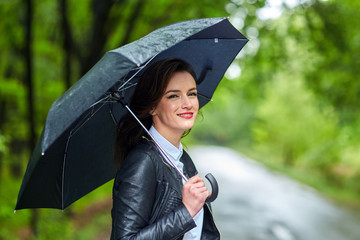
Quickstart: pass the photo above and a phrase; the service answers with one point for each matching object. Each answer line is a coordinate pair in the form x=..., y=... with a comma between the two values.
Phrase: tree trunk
x=29, y=73
x=94, y=51
x=2, y=120
x=67, y=42
x=30, y=93
x=132, y=20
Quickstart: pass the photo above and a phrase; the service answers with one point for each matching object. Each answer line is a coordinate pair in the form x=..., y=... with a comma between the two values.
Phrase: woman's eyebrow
x=176, y=91
x=172, y=91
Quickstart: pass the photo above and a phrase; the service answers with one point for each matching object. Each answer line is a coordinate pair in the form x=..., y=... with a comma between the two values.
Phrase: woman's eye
x=172, y=96
x=194, y=94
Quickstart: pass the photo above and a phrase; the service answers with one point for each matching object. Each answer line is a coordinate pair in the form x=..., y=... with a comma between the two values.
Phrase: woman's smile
x=186, y=115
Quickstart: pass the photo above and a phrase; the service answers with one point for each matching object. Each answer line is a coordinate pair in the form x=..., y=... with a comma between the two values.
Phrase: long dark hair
x=148, y=93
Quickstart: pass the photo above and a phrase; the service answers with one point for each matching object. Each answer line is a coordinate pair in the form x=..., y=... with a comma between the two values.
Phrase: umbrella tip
x=14, y=211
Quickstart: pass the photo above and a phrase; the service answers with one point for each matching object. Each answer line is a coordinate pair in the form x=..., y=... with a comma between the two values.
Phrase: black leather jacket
x=147, y=198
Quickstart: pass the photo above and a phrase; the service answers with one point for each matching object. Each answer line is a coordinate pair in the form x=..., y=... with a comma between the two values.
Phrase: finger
x=195, y=179
x=208, y=194
x=198, y=184
x=198, y=191
x=204, y=190
x=205, y=195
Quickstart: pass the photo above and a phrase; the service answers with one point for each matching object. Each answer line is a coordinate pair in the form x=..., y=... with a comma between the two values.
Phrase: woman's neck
x=172, y=137
x=175, y=142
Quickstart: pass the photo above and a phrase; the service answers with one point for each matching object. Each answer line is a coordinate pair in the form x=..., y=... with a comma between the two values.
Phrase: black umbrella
x=74, y=154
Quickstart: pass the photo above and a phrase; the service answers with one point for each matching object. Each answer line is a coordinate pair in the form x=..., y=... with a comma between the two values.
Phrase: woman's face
x=177, y=110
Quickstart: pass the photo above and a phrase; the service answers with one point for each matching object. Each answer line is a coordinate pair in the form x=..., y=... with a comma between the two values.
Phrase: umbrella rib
x=125, y=83
x=203, y=96
x=63, y=171
x=140, y=68
x=112, y=116
x=129, y=86
x=122, y=87
x=101, y=100
x=88, y=117
x=108, y=96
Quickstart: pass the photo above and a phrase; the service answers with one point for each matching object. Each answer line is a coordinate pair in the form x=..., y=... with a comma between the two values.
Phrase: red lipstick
x=186, y=115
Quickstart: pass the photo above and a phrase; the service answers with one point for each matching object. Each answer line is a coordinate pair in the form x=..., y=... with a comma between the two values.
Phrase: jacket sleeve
x=134, y=196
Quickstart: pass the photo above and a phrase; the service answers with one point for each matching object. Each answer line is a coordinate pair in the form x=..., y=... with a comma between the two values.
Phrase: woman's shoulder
x=144, y=147
x=139, y=163
x=144, y=152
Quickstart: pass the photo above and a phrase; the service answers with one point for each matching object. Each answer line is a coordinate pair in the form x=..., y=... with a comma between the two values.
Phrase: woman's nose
x=186, y=102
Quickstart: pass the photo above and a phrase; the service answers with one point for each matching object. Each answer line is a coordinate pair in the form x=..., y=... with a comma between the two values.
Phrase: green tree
x=291, y=126
x=302, y=80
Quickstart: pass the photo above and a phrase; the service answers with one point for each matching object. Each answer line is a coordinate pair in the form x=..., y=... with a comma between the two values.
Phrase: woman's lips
x=186, y=115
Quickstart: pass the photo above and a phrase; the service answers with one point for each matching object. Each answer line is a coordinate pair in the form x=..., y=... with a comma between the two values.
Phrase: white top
x=175, y=154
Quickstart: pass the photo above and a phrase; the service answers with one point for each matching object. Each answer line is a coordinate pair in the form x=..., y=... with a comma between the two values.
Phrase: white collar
x=174, y=152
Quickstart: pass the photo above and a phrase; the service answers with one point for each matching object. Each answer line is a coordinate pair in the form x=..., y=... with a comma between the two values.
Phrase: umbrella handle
x=214, y=188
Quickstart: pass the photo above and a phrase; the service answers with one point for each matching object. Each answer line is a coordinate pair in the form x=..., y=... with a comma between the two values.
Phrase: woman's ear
x=152, y=111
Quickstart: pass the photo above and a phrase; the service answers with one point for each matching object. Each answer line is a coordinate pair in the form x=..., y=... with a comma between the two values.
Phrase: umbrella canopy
x=74, y=154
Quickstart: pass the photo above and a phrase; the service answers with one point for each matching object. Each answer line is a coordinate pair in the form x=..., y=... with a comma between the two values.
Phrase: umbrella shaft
x=158, y=145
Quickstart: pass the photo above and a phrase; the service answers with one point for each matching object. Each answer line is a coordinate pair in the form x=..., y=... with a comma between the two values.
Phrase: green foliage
x=226, y=120
x=3, y=147
x=8, y=193
x=292, y=128
x=307, y=115
x=336, y=39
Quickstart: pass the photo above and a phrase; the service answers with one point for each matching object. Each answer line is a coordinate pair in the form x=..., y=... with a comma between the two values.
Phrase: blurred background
x=290, y=100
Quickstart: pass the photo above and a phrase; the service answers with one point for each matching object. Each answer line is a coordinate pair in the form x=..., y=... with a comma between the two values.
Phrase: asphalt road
x=255, y=203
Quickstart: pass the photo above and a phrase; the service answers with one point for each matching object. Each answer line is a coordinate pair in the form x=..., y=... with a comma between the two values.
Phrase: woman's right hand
x=194, y=194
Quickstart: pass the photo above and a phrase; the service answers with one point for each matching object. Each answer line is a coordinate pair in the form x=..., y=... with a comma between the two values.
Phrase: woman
x=150, y=200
